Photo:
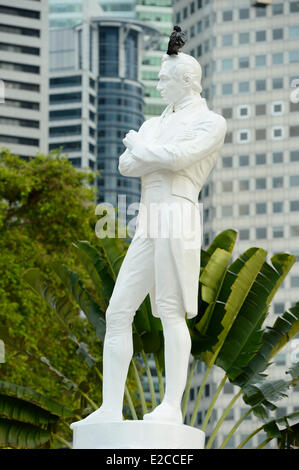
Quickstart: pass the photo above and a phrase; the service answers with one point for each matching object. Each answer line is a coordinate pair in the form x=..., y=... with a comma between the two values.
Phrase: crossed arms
x=188, y=148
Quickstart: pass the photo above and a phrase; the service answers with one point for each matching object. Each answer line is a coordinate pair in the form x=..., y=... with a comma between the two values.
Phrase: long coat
x=185, y=142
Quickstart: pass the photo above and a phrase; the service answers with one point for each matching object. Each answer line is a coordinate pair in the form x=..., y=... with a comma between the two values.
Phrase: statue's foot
x=165, y=413
x=102, y=415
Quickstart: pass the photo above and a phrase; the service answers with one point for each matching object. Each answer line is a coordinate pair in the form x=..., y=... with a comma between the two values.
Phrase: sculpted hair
x=185, y=63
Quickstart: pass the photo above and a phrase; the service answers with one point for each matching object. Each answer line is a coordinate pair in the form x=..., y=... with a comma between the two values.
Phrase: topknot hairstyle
x=184, y=63
x=176, y=41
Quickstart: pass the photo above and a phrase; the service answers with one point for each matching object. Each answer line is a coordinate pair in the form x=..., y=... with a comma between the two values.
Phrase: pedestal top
x=137, y=434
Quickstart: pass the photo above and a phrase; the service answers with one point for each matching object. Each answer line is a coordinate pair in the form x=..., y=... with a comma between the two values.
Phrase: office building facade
x=99, y=98
x=24, y=76
x=250, y=57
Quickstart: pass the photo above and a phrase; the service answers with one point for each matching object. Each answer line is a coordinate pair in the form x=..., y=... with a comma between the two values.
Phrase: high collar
x=186, y=101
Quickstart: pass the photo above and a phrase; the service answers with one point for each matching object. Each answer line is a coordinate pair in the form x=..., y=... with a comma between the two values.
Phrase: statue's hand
x=131, y=139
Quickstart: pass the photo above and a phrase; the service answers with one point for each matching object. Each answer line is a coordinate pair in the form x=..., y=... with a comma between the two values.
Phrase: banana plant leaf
x=20, y=410
x=285, y=430
x=244, y=338
x=273, y=340
x=98, y=269
x=26, y=394
x=235, y=288
x=90, y=308
x=18, y=435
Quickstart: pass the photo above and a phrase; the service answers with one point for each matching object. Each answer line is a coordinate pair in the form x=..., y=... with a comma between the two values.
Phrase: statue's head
x=180, y=73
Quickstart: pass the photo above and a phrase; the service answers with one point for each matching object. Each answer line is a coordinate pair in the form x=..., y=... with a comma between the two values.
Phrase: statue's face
x=171, y=85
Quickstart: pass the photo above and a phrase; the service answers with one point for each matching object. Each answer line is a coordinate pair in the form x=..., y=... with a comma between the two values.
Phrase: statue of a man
x=173, y=154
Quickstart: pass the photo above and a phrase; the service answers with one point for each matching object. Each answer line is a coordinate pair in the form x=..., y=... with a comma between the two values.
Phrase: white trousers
x=148, y=261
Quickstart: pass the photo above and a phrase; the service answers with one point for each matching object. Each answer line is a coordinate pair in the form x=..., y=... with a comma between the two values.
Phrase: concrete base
x=137, y=435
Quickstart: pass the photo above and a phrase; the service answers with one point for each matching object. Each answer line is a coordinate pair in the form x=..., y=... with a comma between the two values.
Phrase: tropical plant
x=228, y=332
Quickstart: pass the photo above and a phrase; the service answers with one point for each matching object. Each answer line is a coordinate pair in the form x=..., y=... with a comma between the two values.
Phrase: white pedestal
x=137, y=435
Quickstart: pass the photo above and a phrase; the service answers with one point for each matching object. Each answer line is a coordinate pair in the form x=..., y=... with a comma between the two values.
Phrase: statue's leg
x=176, y=335
x=135, y=278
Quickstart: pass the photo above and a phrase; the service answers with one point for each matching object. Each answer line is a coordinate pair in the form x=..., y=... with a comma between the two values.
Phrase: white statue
x=173, y=154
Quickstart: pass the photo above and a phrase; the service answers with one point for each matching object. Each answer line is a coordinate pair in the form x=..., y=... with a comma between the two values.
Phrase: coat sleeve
x=129, y=166
x=187, y=149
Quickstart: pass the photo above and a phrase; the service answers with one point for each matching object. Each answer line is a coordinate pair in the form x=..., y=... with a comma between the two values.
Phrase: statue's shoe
x=165, y=413
x=99, y=416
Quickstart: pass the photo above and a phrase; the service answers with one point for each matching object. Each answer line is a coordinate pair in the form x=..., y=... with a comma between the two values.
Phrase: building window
x=294, y=7
x=277, y=133
x=294, y=32
x=260, y=183
x=260, y=12
x=227, y=65
x=277, y=108
x=244, y=234
x=228, y=138
x=294, y=206
x=294, y=230
x=227, y=162
x=244, y=87
x=192, y=7
x=199, y=26
x=277, y=58
x=260, y=36
x=244, y=38
x=277, y=9
x=277, y=157
x=261, y=233
x=227, y=40
x=243, y=111
x=244, y=209
x=260, y=109
x=260, y=60
x=199, y=4
x=244, y=13
x=227, y=186
x=294, y=56
x=294, y=180
x=277, y=83
x=280, y=360
x=294, y=156
x=243, y=62
x=294, y=131
x=185, y=12
x=260, y=134
x=277, y=33
x=199, y=50
x=227, y=113
x=192, y=31
x=243, y=136
x=260, y=85
x=243, y=160
x=294, y=107
x=227, y=211
x=260, y=208
x=227, y=88
x=228, y=388
x=277, y=207
x=244, y=185
x=260, y=159
x=227, y=15
x=277, y=182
